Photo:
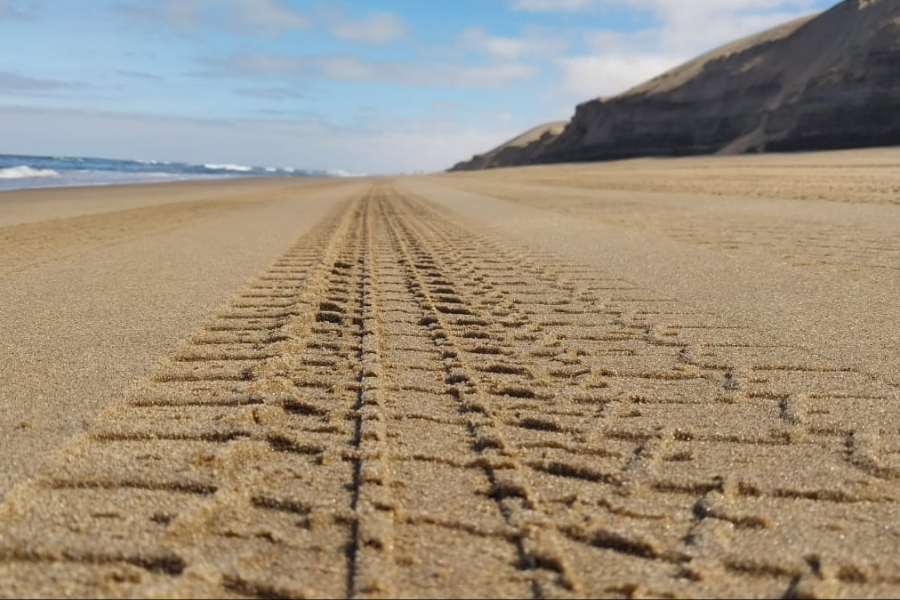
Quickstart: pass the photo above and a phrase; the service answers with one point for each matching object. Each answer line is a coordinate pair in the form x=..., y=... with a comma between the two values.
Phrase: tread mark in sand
x=407, y=404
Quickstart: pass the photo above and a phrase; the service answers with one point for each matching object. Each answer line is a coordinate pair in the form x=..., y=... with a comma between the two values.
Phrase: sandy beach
x=99, y=282
x=528, y=382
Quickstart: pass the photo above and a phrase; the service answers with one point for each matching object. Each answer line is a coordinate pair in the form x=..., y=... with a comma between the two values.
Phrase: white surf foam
x=23, y=172
x=343, y=173
x=240, y=168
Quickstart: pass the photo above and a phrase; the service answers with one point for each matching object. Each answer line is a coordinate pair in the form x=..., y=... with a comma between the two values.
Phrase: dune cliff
x=827, y=81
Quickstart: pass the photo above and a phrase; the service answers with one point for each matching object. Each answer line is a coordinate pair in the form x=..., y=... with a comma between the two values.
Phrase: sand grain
x=409, y=403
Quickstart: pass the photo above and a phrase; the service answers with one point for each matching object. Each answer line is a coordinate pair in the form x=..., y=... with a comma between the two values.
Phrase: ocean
x=19, y=172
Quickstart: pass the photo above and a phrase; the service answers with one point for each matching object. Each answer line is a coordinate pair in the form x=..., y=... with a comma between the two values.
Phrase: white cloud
x=476, y=38
x=255, y=17
x=12, y=82
x=617, y=62
x=268, y=17
x=348, y=68
x=602, y=41
x=354, y=68
x=256, y=65
x=620, y=60
x=501, y=61
x=551, y=5
x=12, y=9
x=269, y=93
x=684, y=27
x=262, y=17
x=22, y=85
x=419, y=146
x=457, y=110
x=661, y=7
x=610, y=74
x=377, y=29
x=692, y=33
x=534, y=43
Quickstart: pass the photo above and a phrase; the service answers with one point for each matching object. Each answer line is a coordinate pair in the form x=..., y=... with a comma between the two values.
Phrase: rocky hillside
x=822, y=82
x=522, y=150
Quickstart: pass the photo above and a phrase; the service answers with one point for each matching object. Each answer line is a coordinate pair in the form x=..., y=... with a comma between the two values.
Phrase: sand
x=91, y=299
x=488, y=386
x=850, y=176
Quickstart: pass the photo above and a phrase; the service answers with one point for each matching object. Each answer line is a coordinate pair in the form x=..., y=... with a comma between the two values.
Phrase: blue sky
x=362, y=86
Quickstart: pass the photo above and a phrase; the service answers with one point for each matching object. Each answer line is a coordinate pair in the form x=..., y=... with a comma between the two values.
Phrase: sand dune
x=823, y=82
x=521, y=150
x=467, y=386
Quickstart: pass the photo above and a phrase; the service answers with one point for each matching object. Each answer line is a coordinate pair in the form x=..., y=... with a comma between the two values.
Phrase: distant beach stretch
x=21, y=172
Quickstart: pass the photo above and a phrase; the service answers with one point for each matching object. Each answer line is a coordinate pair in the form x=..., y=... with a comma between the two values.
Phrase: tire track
x=408, y=516
x=680, y=395
x=407, y=405
x=372, y=569
x=441, y=302
x=198, y=483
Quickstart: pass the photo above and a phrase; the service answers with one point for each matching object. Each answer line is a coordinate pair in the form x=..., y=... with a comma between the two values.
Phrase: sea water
x=18, y=172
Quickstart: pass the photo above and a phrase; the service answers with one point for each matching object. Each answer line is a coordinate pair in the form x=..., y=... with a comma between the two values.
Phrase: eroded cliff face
x=856, y=102
x=830, y=81
x=525, y=149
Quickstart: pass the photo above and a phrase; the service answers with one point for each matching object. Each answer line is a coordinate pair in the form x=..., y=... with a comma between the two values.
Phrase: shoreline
x=206, y=179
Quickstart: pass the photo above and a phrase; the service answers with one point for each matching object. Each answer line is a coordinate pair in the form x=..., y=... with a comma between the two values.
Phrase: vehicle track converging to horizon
x=406, y=404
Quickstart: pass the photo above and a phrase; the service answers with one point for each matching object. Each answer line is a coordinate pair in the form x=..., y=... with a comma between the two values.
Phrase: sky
x=363, y=86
